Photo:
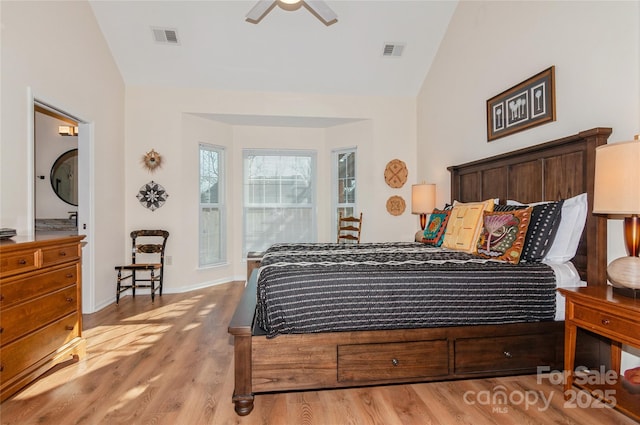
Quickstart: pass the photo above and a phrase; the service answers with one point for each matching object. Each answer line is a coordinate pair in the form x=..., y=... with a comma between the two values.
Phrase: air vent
x=393, y=49
x=165, y=35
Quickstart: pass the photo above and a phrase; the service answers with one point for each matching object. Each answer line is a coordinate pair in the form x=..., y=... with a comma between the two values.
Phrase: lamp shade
x=423, y=198
x=617, y=179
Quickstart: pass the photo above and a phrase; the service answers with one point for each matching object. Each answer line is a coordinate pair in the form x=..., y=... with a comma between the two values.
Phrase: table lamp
x=617, y=194
x=423, y=200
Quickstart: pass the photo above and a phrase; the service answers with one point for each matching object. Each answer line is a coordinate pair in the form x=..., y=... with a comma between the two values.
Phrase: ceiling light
x=290, y=1
x=67, y=130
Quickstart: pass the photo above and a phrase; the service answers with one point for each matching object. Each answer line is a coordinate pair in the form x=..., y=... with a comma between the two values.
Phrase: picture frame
x=525, y=105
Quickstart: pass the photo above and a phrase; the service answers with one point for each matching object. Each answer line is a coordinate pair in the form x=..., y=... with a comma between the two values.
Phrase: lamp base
x=624, y=272
x=626, y=292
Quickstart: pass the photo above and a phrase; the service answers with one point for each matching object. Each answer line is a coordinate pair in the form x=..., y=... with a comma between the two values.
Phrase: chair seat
x=149, y=266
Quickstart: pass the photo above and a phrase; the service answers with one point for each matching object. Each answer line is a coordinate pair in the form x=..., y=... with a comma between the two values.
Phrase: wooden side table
x=599, y=310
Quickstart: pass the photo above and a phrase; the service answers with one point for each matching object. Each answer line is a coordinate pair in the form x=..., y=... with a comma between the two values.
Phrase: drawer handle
x=69, y=327
x=1, y=368
x=395, y=362
x=62, y=253
x=69, y=275
x=508, y=354
x=1, y=297
x=605, y=322
x=1, y=330
x=69, y=299
x=22, y=261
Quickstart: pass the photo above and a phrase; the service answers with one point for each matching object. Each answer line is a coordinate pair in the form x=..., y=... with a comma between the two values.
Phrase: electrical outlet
x=168, y=260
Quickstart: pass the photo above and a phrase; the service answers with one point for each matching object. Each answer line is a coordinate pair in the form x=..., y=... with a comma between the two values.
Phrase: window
x=279, y=198
x=344, y=172
x=212, y=211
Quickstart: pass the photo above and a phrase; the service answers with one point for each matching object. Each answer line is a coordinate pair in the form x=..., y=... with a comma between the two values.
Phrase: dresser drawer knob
x=605, y=322
x=508, y=354
x=69, y=327
x=63, y=253
x=22, y=261
x=69, y=299
x=395, y=362
x=1, y=330
x=69, y=275
x=1, y=368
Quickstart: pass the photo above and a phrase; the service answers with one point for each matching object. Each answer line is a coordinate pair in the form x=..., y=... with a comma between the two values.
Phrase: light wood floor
x=171, y=363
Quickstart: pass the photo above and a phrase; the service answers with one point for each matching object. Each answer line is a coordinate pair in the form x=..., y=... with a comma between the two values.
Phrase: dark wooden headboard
x=554, y=170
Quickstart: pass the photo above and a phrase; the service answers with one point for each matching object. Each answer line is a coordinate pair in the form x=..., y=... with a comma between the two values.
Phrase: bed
x=277, y=361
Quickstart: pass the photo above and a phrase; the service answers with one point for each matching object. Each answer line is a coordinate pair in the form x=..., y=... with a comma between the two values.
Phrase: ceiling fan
x=317, y=7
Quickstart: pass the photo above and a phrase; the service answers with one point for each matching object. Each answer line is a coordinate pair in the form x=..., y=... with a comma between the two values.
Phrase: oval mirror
x=64, y=177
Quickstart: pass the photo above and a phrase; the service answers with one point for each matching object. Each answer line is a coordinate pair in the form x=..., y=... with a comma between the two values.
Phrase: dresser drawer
x=515, y=353
x=60, y=254
x=19, y=290
x=21, y=354
x=20, y=262
x=29, y=316
x=603, y=322
x=391, y=361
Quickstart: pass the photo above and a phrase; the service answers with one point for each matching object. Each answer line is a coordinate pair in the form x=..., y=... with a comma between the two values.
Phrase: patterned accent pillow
x=503, y=235
x=465, y=224
x=545, y=220
x=500, y=208
x=434, y=232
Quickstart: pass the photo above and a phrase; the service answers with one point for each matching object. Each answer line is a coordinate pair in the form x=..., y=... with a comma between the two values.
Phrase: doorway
x=62, y=182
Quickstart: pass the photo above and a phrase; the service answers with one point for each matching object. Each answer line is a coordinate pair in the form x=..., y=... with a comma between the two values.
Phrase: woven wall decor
x=395, y=174
x=396, y=205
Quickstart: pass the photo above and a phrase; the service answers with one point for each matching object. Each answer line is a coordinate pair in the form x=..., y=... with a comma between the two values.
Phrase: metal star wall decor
x=152, y=195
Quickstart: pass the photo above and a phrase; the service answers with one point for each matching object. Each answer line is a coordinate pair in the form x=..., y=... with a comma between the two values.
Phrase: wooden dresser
x=40, y=307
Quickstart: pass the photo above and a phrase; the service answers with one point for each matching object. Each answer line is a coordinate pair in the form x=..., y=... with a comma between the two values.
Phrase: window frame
x=312, y=154
x=335, y=196
x=220, y=205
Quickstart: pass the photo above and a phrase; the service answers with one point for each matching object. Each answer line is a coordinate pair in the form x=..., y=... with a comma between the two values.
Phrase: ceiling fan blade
x=322, y=10
x=260, y=10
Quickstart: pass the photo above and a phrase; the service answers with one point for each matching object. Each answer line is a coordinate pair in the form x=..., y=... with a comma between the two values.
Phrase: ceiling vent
x=393, y=49
x=165, y=35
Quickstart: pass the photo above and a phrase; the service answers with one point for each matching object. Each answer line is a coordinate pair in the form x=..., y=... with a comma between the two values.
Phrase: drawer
x=502, y=354
x=29, y=316
x=603, y=322
x=21, y=354
x=392, y=361
x=20, y=290
x=20, y=262
x=60, y=254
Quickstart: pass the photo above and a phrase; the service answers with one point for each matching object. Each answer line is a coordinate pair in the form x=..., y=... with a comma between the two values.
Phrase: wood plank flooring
x=171, y=363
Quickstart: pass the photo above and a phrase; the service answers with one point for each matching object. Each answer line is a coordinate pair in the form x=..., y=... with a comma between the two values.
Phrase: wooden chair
x=349, y=228
x=144, y=242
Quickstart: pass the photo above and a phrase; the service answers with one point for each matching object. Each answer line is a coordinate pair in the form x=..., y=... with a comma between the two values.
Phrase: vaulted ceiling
x=287, y=51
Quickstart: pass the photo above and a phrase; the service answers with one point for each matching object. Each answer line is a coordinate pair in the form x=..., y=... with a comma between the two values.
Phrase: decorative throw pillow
x=544, y=224
x=572, y=221
x=499, y=208
x=503, y=235
x=465, y=224
x=434, y=232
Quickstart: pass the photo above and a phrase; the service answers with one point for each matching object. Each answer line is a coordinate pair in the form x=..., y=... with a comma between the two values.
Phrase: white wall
x=56, y=50
x=491, y=46
x=159, y=118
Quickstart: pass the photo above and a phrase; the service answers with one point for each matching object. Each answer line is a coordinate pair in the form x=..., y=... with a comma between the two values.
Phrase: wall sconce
x=423, y=200
x=67, y=130
x=617, y=194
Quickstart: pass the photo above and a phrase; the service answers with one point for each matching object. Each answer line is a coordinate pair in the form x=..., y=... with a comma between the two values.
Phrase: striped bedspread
x=304, y=288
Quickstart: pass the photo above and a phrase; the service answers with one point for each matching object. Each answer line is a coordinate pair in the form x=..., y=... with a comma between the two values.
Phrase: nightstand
x=599, y=310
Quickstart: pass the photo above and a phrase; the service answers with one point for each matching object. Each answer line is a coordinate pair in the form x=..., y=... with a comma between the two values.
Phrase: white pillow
x=572, y=221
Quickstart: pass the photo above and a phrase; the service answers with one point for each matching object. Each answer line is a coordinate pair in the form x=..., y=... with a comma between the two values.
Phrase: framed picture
x=525, y=105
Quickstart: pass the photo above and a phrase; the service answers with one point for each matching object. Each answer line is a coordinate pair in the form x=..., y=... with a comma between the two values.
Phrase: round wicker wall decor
x=395, y=174
x=396, y=205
